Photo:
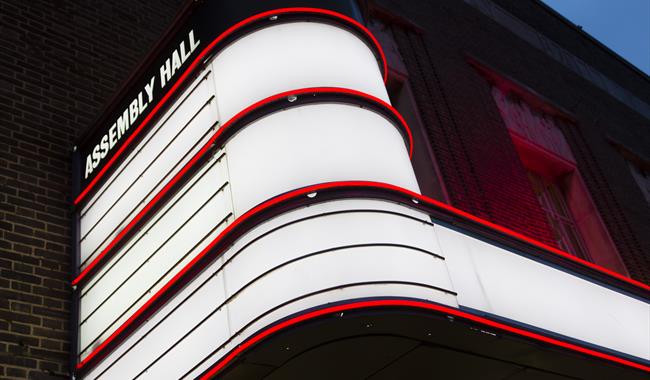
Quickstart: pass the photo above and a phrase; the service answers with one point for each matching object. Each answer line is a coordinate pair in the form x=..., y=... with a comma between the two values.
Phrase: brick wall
x=61, y=61
x=476, y=156
x=478, y=162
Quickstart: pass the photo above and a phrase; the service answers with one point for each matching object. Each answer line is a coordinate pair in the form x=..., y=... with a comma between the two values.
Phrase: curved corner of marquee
x=133, y=287
x=254, y=60
x=327, y=56
x=234, y=247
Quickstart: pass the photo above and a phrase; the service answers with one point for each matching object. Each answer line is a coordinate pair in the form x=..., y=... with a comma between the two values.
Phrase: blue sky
x=621, y=25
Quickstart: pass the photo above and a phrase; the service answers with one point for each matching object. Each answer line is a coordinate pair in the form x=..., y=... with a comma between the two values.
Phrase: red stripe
x=407, y=194
x=221, y=364
x=197, y=61
x=521, y=237
x=107, y=252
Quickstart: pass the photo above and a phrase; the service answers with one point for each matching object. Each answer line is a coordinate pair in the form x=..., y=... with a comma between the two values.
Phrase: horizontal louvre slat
x=157, y=252
x=154, y=160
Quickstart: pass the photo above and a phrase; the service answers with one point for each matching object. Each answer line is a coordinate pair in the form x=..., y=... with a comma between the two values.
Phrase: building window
x=536, y=131
x=563, y=225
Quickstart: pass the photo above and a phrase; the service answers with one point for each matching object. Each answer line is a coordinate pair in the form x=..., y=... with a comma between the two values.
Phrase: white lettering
x=133, y=108
x=123, y=124
x=138, y=105
x=141, y=105
x=176, y=61
x=89, y=166
x=183, y=54
x=103, y=147
x=149, y=88
x=96, y=156
x=165, y=73
x=193, y=44
x=112, y=136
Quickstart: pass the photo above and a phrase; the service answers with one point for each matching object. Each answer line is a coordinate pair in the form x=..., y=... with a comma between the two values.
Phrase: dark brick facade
x=477, y=158
x=61, y=62
x=463, y=140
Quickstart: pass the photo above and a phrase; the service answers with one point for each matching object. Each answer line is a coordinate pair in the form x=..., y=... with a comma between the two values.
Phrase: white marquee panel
x=348, y=293
x=174, y=320
x=500, y=282
x=335, y=206
x=118, y=308
x=290, y=56
x=335, y=269
x=146, y=266
x=147, y=168
x=331, y=232
x=153, y=236
x=188, y=104
x=293, y=280
x=312, y=144
x=164, y=223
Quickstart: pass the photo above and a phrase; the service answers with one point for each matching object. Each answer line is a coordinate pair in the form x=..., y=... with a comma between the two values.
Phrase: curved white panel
x=332, y=233
x=318, y=273
x=280, y=152
x=348, y=293
x=204, y=311
x=291, y=56
x=313, y=144
x=333, y=269
x=335, y=207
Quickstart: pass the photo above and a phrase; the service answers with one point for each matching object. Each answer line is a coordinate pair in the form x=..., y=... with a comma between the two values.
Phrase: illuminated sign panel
x=276, y=180
x=203, y=32
x=138, y=105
